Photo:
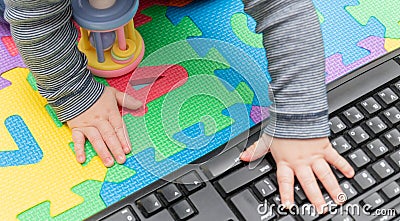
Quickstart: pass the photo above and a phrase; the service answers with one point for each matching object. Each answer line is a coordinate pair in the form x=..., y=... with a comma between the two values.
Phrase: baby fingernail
x=109, y=161
x=81, y=159
x=122, y=158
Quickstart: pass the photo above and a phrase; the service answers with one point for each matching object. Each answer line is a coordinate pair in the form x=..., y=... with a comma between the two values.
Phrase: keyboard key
x=341, y=217
x=391, y=190
x=149, y=205
x=395, y=157
x=348, y=189
x=243, y=176
x=370, y=105
x=328, y=199
x=396, y=86
x=287, y=218
x=247, y=205
x=124, y=214
x=364, y=179
x=191, y=182
x=221, y=163
x=183, y=210
x=388, y=96
x=300, y=195
x=277, y=199
x=309, y=213
x=374, y=200
x=358, y=135
x=265, y=187
x=353, y=115
x=359, y=158
x=383, y=169
x=376, y=125
x=170, y=193
x=339, y=175
x=377, y=148
x=210, y=206
x=341, y=145
x=393, y=137
x=336, y=125
x=164, y=215
x=392, y=115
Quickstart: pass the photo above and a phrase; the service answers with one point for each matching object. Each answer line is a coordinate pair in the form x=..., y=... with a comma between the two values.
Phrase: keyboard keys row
x=243, y=176
x=169, y=194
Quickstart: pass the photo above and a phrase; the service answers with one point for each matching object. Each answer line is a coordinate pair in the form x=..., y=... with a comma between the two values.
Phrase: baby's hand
x=102, y=124
x=302, y=158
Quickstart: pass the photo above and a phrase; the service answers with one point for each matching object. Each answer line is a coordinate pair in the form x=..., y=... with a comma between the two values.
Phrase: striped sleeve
x=295, y=52
x=46, y=39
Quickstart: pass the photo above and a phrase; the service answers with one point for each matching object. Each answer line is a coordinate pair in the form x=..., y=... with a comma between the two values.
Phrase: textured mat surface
x=204, y=55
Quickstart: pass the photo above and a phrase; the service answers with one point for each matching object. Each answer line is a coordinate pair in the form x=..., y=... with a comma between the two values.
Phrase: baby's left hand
x=302, y=158
x=103, y=126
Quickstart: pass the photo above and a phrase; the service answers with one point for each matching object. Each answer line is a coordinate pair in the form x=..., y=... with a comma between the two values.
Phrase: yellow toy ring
x=128, y=53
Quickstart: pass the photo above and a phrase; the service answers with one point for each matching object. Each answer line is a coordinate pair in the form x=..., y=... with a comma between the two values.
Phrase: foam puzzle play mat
x=200, y=47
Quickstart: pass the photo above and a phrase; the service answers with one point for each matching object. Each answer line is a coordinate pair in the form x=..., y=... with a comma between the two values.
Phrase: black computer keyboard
x=365, y=129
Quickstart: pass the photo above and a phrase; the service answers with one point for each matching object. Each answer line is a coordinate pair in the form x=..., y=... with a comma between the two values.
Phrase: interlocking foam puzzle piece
x=148, y=170
x=9, y=55
x=341, y=32
x=259, y=113
x=29, y=182
x=9, y=62
x=335, y=68
x=218, y=13
x=232, y=79
x=194, y=137
x=386, y=11
x=4, y=83
x=141, y=19
x=170, y=32
x=89, y=190
x=320, y=17
x=241, y=57
x=243, y=27
x=10, y=45
x=28, y=151
x=159, y=79
x=392, y=44
x=4, y=29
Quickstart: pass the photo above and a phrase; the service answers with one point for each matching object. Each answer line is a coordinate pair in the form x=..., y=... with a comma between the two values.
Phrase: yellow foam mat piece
x=52, y=178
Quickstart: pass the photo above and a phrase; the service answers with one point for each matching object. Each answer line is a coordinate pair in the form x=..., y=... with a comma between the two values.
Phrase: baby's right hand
x=305, y=159
x=102, y=124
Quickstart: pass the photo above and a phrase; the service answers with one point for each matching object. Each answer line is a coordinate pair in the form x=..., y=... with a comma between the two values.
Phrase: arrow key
x=149, y=205
x=183, y=210
x=170, y=193
x=191, y=181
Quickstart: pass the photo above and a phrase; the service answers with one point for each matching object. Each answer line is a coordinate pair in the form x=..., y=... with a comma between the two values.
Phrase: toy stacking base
x=111, y=68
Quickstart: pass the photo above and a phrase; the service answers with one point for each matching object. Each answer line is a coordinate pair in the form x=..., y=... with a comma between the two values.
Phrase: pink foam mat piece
x=334, y=64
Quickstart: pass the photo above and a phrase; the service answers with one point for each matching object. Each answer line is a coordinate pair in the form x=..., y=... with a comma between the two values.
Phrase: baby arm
x=297, y=129
x=46, y=40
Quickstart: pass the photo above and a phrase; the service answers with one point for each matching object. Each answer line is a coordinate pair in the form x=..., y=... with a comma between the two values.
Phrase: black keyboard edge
x=345, y=84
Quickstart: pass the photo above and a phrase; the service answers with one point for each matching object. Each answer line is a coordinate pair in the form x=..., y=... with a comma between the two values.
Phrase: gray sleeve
x=46, y=39
x=295, y=52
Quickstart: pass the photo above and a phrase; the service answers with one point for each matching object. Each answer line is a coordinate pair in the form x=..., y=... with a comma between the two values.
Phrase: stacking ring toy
x=102, y=20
